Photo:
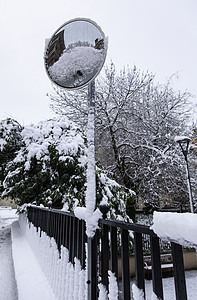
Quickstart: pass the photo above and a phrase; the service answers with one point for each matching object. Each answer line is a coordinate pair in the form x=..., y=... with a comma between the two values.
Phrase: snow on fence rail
x=59, y=241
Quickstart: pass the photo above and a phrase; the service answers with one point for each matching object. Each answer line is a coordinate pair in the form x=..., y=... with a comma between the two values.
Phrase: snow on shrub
x=49, y=167
x=10, y=142
x=109, y=192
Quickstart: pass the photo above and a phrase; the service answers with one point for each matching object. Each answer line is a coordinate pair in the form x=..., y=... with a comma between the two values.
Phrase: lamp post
x=184, y=144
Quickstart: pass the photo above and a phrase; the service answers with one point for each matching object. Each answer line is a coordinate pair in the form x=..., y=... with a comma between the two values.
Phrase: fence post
x=179, y=273
x=74, y=239
x=70, y=243
x=114, y=251
x=93, y=267
x=156, y=267
x=104, y=255
x=139, y=262
x=125, y=264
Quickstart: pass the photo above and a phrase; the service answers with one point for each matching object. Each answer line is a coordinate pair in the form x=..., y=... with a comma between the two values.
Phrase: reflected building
x=55, y=48
x=99, y=44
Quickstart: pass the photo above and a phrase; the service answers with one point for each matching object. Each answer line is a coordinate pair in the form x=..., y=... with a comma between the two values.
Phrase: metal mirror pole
x=64, y=75
x=91, y=189
x=91, y=168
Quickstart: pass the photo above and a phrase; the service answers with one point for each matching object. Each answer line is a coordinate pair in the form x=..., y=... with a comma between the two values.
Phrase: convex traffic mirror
x=75, y=53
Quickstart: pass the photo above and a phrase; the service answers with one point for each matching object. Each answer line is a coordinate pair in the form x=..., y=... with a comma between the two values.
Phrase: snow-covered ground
x=8, y=288
x=169, y=289
x=20, y=274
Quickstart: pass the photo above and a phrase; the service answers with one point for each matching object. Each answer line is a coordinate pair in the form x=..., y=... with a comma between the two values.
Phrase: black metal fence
x=64, y=227
x=110, y=241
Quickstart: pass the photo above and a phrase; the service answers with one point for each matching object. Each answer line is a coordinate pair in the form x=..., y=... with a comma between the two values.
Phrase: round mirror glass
x=75, y=54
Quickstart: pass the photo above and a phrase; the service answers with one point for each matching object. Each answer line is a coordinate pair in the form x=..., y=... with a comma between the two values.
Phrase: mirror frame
x=52, y=37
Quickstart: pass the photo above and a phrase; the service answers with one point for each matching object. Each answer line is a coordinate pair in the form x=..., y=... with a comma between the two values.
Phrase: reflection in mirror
x=75, y=54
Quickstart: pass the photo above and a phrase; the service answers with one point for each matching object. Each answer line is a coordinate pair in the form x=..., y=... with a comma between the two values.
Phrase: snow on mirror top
x=75, y=54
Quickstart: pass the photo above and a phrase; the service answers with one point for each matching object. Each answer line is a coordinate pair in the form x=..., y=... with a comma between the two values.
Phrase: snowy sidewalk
x=8, y=288
x=31, y=282
x=21, y=277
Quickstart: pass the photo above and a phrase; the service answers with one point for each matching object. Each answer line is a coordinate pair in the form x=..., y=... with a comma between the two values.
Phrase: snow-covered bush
x=50, y=165
x=50, y=168
x=118, y=198
x=10, y=142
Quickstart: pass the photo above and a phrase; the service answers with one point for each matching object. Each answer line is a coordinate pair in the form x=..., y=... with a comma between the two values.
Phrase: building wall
x=189, y=257
x=7, y=202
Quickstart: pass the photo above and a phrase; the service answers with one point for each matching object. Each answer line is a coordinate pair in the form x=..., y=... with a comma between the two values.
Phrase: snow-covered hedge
x=49, y=167
x=10, y=142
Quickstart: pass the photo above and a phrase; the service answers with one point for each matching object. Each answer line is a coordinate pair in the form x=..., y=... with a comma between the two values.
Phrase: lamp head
x=183, y=141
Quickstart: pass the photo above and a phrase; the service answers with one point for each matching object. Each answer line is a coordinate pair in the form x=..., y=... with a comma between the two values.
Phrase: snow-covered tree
x=10, y=142
x=147, y=148
x=136, y=122
x=49, y=164
x=50, y=167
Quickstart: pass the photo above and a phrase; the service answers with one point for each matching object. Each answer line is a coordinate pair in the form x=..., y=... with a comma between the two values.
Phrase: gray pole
x=184, y=144
x=189, y=186
x=91, y=167
x=91, y=186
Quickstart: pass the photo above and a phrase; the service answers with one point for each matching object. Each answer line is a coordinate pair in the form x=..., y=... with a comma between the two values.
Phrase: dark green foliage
x=10, y=142
x=49, y=167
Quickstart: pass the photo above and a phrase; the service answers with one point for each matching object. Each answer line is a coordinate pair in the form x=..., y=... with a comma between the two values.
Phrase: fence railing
x=65, y=228
x=110, y=241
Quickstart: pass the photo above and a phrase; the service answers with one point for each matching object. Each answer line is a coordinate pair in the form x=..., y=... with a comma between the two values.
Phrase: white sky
x=155, y=35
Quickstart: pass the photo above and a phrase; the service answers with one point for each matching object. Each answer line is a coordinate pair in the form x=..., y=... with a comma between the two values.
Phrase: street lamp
x=184, y=144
